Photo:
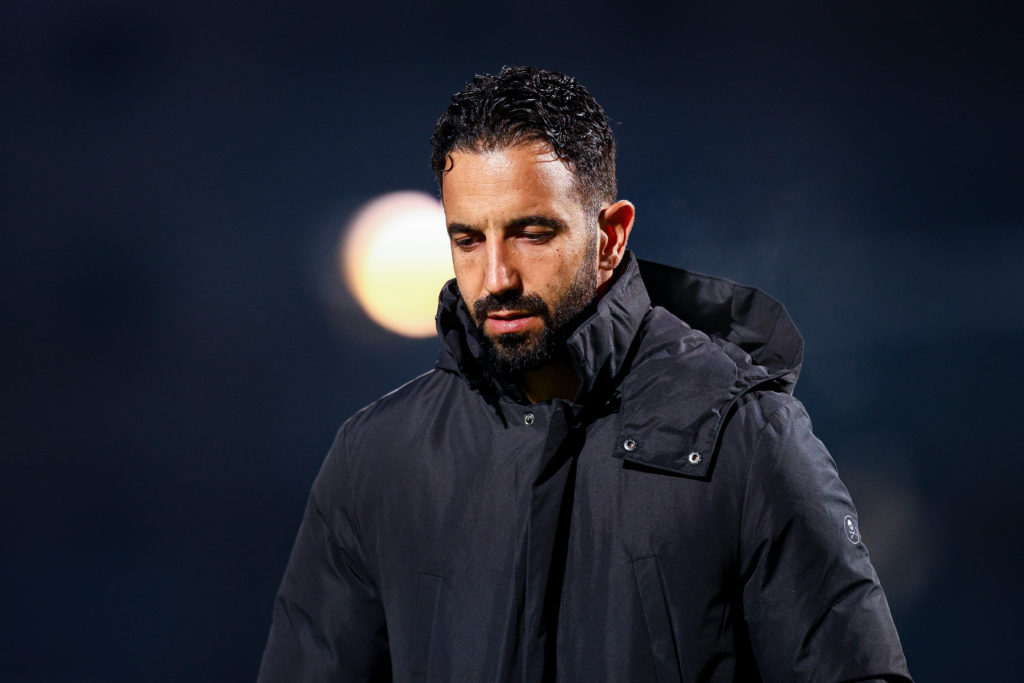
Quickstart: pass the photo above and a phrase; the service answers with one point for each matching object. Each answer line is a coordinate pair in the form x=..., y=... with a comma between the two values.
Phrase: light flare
x=394, y=257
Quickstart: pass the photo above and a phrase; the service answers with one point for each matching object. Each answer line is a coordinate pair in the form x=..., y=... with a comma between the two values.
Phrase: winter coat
x=678, y=522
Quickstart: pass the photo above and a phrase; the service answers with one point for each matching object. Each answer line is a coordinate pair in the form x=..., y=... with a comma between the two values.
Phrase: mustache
x=514, y=301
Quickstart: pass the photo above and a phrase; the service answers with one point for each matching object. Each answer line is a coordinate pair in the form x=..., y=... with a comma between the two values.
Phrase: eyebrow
x=515, y=224
x=540, y=220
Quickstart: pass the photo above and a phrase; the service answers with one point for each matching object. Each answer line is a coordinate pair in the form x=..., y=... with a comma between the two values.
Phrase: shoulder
x=749, y=432
x=763, y=421
x=781, y=428
x=766, y=412
x=402, y=407
x=784, y=463
x=386, y=431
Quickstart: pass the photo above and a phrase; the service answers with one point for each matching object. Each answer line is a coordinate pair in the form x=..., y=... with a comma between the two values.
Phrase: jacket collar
x=599, y=348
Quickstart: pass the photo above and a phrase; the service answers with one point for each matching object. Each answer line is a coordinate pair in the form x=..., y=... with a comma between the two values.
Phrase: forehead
x=523, y=177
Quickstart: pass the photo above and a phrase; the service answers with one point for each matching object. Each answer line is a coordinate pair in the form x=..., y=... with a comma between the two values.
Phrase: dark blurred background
x=178, y=353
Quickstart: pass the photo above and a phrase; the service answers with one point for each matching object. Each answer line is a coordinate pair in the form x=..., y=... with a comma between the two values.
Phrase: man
x=586, y=487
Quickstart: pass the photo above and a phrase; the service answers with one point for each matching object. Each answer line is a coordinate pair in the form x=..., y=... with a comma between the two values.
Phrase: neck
x=557, y=380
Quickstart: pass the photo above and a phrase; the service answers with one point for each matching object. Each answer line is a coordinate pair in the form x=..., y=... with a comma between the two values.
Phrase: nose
x=501, y=275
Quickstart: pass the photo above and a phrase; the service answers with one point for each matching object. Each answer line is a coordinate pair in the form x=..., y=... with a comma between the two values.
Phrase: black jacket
x=678, y=522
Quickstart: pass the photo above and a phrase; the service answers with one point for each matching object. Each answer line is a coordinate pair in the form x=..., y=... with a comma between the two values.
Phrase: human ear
x=615, y=222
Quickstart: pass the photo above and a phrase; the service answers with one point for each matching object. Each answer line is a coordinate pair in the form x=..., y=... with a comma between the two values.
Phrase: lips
x=504, y=322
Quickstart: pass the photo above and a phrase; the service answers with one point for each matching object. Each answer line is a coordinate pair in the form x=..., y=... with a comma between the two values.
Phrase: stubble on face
x=516, y=352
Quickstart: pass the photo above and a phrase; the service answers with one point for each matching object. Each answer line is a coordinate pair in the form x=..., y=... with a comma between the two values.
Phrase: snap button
x=629, y=445
x=528, y=418
x=694, y=458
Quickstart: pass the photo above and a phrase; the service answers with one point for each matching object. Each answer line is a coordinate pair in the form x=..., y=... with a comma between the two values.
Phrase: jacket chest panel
x=464, y=511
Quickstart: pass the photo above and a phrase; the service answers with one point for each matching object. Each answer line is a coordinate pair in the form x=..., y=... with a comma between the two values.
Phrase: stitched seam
x=750, y=466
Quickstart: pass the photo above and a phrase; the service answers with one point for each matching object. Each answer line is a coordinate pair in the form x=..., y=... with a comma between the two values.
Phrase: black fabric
x=678, y=521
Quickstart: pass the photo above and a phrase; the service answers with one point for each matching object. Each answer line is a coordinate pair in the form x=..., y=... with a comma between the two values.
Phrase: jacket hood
x=724, y=310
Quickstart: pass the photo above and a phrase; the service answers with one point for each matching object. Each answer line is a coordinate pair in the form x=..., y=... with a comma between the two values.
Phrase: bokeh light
x=394, y=257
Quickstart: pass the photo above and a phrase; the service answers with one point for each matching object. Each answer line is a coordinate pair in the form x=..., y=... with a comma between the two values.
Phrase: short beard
x=517, y=352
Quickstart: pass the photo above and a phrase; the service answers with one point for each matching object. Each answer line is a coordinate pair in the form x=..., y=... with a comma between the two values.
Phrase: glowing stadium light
x=394, y=258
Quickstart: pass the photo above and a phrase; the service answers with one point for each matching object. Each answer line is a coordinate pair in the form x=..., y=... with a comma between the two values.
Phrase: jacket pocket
x=659, y=627
x=427, y=597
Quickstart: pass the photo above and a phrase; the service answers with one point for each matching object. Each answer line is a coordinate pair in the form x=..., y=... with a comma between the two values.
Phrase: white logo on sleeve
x=852, y=532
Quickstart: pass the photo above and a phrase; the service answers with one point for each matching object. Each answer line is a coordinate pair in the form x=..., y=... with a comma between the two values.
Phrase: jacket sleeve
x=328, y=622
x=813, y=603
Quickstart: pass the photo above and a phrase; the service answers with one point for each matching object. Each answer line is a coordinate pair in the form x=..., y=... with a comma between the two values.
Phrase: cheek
x=553, y=275
x=467, y=271
x=469, y=278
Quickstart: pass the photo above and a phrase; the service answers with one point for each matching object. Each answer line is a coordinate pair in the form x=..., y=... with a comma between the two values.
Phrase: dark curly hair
x=525, y=104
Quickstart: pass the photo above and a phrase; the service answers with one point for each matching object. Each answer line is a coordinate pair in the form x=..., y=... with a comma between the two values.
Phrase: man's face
x=524, y=249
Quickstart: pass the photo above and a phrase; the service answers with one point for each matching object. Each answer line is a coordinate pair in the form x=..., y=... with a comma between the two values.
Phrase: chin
x=514, y=343
x=521, y=351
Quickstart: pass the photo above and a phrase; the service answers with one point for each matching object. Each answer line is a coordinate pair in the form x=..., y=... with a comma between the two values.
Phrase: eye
x=464, y=241
x=537, y=237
